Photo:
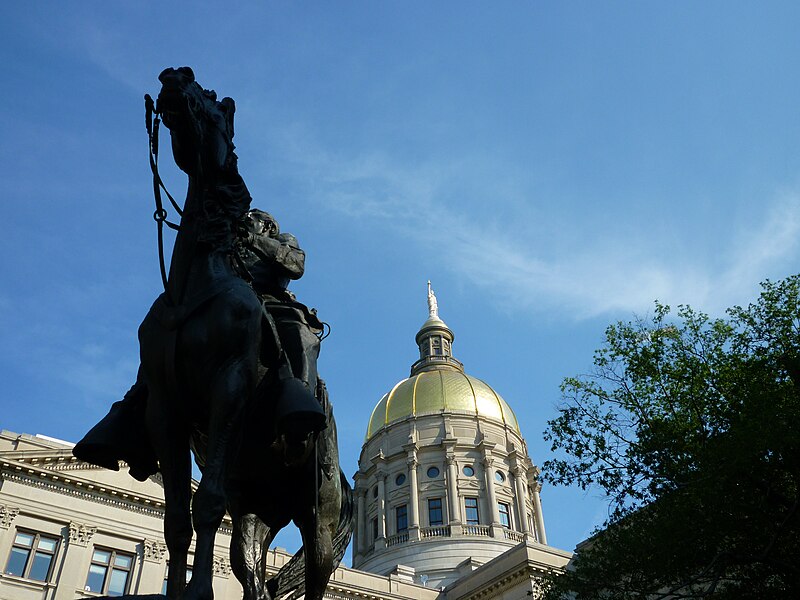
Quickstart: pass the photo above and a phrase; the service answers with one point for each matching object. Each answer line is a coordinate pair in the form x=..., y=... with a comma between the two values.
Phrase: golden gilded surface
x=436, y=391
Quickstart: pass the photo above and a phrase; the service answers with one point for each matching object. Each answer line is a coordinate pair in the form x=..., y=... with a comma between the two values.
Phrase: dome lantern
x=435, y=341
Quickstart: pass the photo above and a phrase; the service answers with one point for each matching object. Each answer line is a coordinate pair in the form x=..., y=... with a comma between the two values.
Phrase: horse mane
x=225, y=202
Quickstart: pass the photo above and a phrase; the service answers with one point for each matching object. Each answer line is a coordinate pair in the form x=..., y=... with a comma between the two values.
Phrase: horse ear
x=230, y=108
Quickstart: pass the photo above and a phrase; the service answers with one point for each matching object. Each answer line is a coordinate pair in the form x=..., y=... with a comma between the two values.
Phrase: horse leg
x=172, y=448
x=318, y=544
x=251, y=539
x=228, y=398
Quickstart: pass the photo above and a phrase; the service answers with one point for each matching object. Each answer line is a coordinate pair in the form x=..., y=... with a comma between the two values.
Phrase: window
x=471, y=506
x=435, y=512
x=505, y=514
x=433, y=472
x=374, y=529
x=188, y=579
x=109, y=572
x=468, y=470
x=499, y=476
x=32, y=556
x=400, y=480
x=375, y=492
x=401, y=518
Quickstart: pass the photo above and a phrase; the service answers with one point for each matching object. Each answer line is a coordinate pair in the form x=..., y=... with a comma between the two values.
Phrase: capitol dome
x=445, y=483
x=438, y=391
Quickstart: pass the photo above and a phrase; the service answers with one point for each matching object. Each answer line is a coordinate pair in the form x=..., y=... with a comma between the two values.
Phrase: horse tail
x=289, y=583
x=345, y=530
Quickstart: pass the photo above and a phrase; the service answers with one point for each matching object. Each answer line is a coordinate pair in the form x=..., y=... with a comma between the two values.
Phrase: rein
x=152, y=123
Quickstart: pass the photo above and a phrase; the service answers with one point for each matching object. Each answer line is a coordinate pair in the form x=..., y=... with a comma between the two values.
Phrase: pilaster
x=7, y=532
x=153, y=566
x=76, y=560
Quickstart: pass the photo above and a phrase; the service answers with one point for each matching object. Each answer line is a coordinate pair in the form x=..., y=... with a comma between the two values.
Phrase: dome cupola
x=444, y=482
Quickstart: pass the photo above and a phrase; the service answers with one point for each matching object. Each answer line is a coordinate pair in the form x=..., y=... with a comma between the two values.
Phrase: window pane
x=24, y=539
x=96, y=578
x=402, y=518
x=471, y=504
x=122, y=561
x=505, y=519
x=17, y=561
x=117, y=583
x=435, y=511
x=101, y=556
x=40, y=567
x=47, y=544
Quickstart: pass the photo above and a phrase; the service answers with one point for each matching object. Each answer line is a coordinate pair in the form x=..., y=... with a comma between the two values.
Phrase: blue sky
x=551, y=167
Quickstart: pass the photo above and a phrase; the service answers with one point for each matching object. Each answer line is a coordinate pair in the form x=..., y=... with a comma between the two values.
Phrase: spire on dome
x=435, y=340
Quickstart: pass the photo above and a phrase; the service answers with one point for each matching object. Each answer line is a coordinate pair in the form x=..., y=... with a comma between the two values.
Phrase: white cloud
x=606, y=274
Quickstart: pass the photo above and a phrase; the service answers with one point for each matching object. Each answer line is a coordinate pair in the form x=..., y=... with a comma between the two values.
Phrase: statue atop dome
x=433, y=305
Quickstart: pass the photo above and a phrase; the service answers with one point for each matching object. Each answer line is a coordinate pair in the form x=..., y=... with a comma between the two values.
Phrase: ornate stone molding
x=154, y=551
x=94, y=495
x=221, y=566
x=80, y=534
x=7, y=515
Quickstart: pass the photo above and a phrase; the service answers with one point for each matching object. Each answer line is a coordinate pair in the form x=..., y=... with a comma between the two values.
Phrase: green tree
x=691, y=427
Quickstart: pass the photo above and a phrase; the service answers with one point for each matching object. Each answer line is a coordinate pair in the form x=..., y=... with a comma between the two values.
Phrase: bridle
x=152, y=122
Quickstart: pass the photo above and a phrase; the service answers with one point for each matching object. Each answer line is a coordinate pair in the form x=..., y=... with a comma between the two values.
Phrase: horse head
x=201, y=128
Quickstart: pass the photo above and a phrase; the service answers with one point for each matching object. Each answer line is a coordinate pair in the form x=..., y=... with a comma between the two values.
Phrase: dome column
x=413, y=489
x=537, y=513
x=380, y=474
x=452, y=492
x=361, y=522
x=522, y=499
x=488, y=471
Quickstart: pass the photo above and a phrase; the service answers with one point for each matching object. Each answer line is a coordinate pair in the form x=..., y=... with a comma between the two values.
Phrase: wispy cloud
x=602, y=275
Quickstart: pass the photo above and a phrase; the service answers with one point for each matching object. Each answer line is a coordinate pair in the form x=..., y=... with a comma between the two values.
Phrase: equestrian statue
x=229, y=373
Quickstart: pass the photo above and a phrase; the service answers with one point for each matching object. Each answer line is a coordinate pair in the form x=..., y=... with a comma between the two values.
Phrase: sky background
x=551, y=167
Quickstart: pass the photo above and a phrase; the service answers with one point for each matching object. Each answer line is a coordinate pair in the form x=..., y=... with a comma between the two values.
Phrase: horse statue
x=217, y=382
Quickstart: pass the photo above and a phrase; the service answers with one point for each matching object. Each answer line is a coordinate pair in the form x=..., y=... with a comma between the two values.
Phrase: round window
x=400, y=479
x=468, y=470
x=499, y=476
x=433, y=472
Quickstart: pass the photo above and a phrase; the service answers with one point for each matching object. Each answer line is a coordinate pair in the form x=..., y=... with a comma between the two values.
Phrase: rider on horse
x=268, y=260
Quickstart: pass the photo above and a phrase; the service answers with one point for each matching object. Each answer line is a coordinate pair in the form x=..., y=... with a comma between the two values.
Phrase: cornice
x=92, y=491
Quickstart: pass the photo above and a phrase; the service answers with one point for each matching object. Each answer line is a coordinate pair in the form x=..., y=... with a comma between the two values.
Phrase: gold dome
x=440, y=390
